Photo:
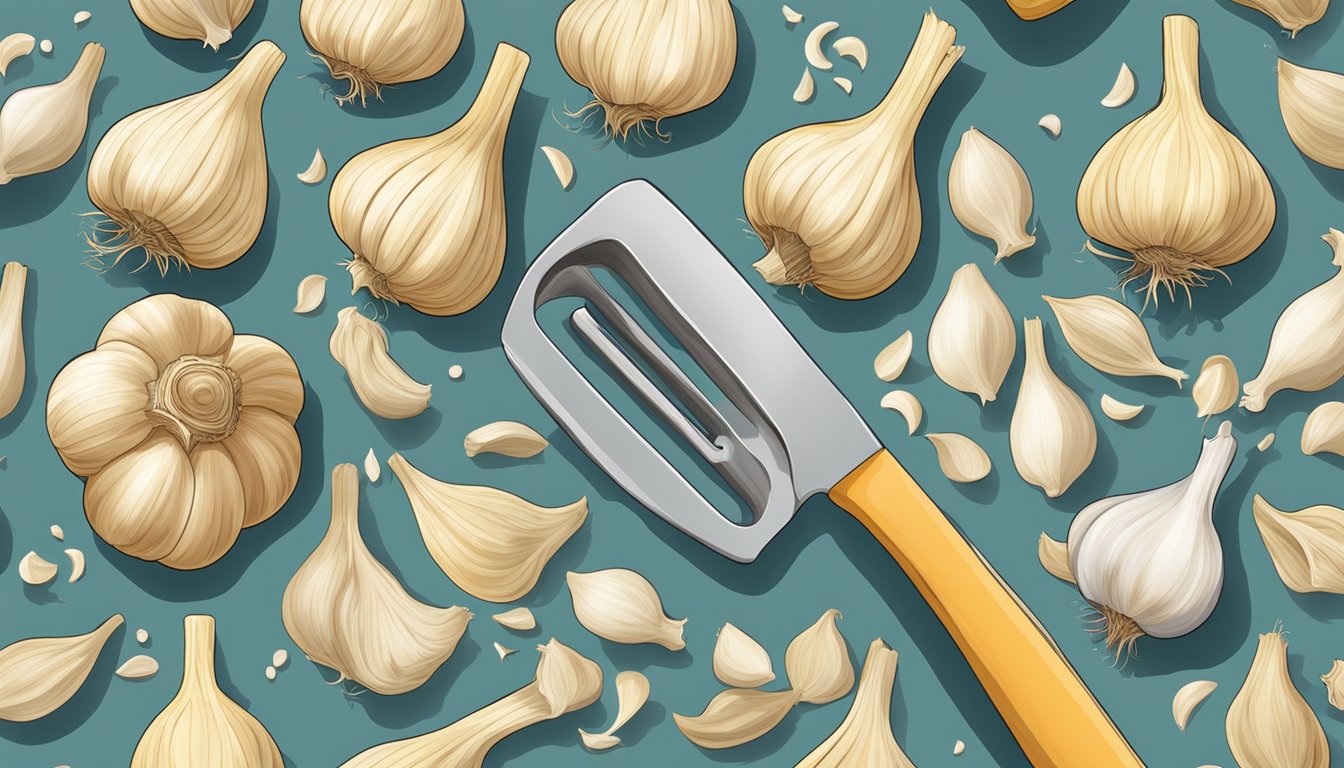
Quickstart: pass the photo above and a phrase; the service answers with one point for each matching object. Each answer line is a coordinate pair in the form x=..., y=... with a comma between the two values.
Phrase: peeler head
x=781, y=431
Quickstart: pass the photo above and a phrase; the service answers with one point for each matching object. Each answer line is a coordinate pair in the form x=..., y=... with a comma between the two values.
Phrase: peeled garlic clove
x=806, y=88
x=1216, y=388
x=561, y=165
x=1110, y=337
x=82, y=17
x=271, y=673
x=1123, y=89
x=372, y=469
x=891, y=361
x=40, y=674
x=1189, y=697
x=791, y=16
x=14, y=46
x=142, y=636
x=905, y=404
x=317, y=170
x=1051, y=124
x=1269, y=723
x=845, y=84
x=1265, y=442
x=990, y=194
x=960, y=458
x=76, y=565
x=507, y=438
x=1300, y=356
x=737, y=716
x=1307, y=546
x=1292, y=15
x=455, y=372
x=565, y=682
x=41, y=128
x=13, y=358
x=35, y=570
x=491, y=543
x=865, y=737
x=1310, y=102
x=57, y=533
x=1324, y=429
x=346, y=611
x=958, y=748
x=632, y=691
x=360, y=346
x=212, y=22
x=622, y=606
x=1052, y=435
x=312, y=290
x=518, y=619
x=1054, y=557
x=138, y=668
x=972, y=338
x=1117, y=410
x=1334, y=684
x=812, y=46
x=740, y=661
x=503, y=651
x=280, y=658
x=852, y=48
x=817, y=662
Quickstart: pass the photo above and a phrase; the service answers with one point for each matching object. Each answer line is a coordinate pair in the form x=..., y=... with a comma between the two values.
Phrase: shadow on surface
x=1052, y=40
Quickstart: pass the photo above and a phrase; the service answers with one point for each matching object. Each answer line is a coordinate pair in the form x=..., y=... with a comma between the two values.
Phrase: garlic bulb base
x=361, y=83
x=620, y=120
x=363, y=275
x=119, y=232
x=1121, y=631
x=1009, y=248
x=787, y=262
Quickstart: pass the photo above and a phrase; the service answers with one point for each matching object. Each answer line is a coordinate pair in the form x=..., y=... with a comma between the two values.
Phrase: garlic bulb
x=1306, y=349
x=1269, y=724
x=646, y=60
x=424, y=217
x=740, y=661
x=865, y=738
x=1292, y=15
x=185, y=181
x=1307, y=546
x=40, y=674
x=373, y=43
x=1324, y=429
x=506, y=438
x=736, y=716
x=41, y=128
x=817, y=662
x=1216, y=388
x=201, y=725
x=184, y=430
x=1151, y=562
x=632, y=692
x=1175, y=189
x=1110, y=337
x=491, y=543
x=13, y=359
x=1312, y=104
x=360, y=346
x=836, y=203
x=1052, y=434
x=210, y=21
x=565, y=682
x=346, y=611
x=972, y=339
x=622, y=606
x=990, y=194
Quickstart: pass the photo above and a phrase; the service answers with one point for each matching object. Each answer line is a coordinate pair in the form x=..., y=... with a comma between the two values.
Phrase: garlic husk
x=565, y=681
x=503, y=651
x=346, y=611
x=1054, y=557
x=1122, y=90
x=736, y=716
x=210, y=21
x=383, y=386
x=424, y=218
x=375, y=43
x=1110, y=337
x=1151, y=562
x=740, y=661
x=507, y=438
x=491, y=543
x=1190, y=696
x=40, y=674
x=972, y=339
x=836, y=204
x=1217, y=387
x=1175, y=190
x=36, y=570
x=1334, y=684
x=13, y=359
x=41, y=128
x=1269, y=723
x=1312, y=104
x=517, y=619
x=817, y=662
x=186, y=181
x=1053, y=437
x=14, y=46
x=1292, y=15
x=1304, y=352
x=606, y=45
x=1307, y=546
x=961, y=458
x=865, y=737
x=990, y=194
x=620, y=605
x=310, y=293
x=891, y=361
x=1117, y=410
x=907, y=405
x=632, y=692
x=1324, y=429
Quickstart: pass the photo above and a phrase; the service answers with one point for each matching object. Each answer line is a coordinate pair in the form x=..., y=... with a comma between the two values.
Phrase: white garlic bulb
x=1052, y=434
x=990, y=193
x=1151, y=562
x=972, y=338
x=41, y=128
x=210, y=21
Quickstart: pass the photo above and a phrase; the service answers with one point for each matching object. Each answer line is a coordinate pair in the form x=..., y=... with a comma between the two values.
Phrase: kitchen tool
x=784, y=434
x=1031, y=10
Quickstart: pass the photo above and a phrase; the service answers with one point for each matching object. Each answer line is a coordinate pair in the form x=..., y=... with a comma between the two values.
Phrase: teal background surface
x=1012, y=74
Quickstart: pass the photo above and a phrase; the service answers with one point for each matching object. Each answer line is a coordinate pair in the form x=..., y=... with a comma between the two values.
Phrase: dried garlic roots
x=620, y=605
x=1269, y=723
x=40, y=674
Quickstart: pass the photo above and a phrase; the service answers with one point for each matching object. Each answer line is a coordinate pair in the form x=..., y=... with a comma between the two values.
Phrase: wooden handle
x=1031, y=10
x=1054, y=716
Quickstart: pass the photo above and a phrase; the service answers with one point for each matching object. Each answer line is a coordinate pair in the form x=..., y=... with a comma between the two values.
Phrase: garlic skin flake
x=210, y=21
x=1217, y=387
x=13, y=358
x=312, y=290
x=517, y=619
x=632, y=692
x=1123, y=89
x=1292, y=15
x=40, y=674
x=845, y=84
x=491, y=543
x=990, y=194
x=76, y=565
x=1324, y=429
x=961, y=458
x=1310, y=102
x=316, y=171
x=812, y=51
x=507, y=438
x=620, y=605
x=905, y=404
x=852, y=48
x=503, y=651
x=891, y=361
x=836, y=204
x=42, y=127
x=1052, y=435
x=565, y=682
x=817, y=662
x=372, y=469
x=138, y=668
x=865, y=737
x=807, y=88
x=973, y=338
x=561, y=165
x=360, y=346
x=1300, y=355
x=36, y=570
x=14, y=46
x=740, y=661
x=1334, y=684
x=1190, y=696
x=1054, y=557
x=1269, y=723
x=736, y=716
x=1307, y=546
x=1151, y=562
x=1051, y=124
x=1110, y=337
x=346, y=611
x=1118, y=411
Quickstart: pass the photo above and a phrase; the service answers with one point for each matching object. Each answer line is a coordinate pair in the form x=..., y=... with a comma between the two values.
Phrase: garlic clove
x=817, y=662
x=1189, y=697
x=149, y=526
x=1323, y=430
x=1217, y=387
x=14, y=46
x=812, y=51
x=1265, y=442
x=845, y=84
x=1269, y=723
x=891, y=361
x=215, y=514
x=740, y=661
x=865, y=737
x=1051, y=124
x=852, y=48
x=1117, y=410
x=40, y=674
x=632, y=692
x=972, y=339
x=507, y=438
x=561, y=165
x=271, y=673
x=372, y=469
x=82, y=17
x=1123, y=89
x=960, y=458
x=1309, y=100
x=212, y=22
x=736, y=716
x=1110, y=337
x=316, y=171
x=360, y=346
x=958, y=748
x=491, y=543
x=57, y=532
x=13, y=359
x=518, y=619
x=620, y=605
x=1054, y=557
x=35, y=570
x=265, y=450
x=806, y=88
x=76, y=565
x=1292, y=15
x=503, y=651
x=1052, y=435
x=41, y=128
x=280, y=658
x=990, y=193
x=138, y=668
x=905, y=404
x=1307, y=546
x=791, y=16
x=167, y=326
x=312, y=290
x=142, y=636
x=1334, y=684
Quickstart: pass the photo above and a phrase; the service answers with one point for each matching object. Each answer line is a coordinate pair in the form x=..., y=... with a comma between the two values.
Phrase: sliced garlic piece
x=57, y=533
x=507, y=438
x=560, y=164
x=740, y=661
x=1122, y=91
x=1217, y=387
x=1052, y=435
x=372, y=469
x=817, y=662
x=142, y=636
x=518, y=619
x=76, y=565
x=1117, y=410
x=905, y=404
x=40, y=674
x=1190, y=696
x=14, y=46
x=82, y=17
x=1334, y=684
x=312, y=290
x=632, y=692
x=812, y=46
x=455, y=372
x=503, y=651
x=1307, y=546
x=1324, y=429
x=806, y=88
x=891, y=361
x=1110, y=337
x=852, y=48
x=46, y=46
x=1265, y=442
x=791, y=16
x=35, y=570
x=845, y=84
x=138, y=668
x=1054, y=557
x=959, y=457
x=1051, y=124
x=737, y=716
x=317, y=170
x=1269, y=723
x=958, y=748
x=622, y=606
x=280, y=658
x=865, y=737
x=360, y=346
x=990, y=194
x=972, y=338
x=271, y=673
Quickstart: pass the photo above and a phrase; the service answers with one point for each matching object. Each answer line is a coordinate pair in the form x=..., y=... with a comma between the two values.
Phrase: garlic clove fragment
x=1334, y=684
x=865, y=737
x=620, y=605
x=907, y=405
x=1110, y=337
x=1269, y=723
x=13, y=358
x=210, y=21
x=961, y=458
x=1323, y=430
x=1292, y=15
x=632, y=692
x=42, y=127
x=316, y=170
x=1117, y=410
x=517, y=619
x=1052, y=435
x=40, y=674
x=311, y=291
x=36, y=570
x=14, y=46
x=891, y=361
x=737, y=716
x=817, y=662
x=382, y=385
x=1054, y=557
x=740, y=661
x=1190, y=696
x=1217, y=387
x=1123, y=89
x=972, y=339
x=506, y=438
x=1307, y=546
x=990, y=194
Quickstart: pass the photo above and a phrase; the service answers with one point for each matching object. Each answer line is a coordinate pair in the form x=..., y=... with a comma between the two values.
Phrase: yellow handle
x=1031, y=10
x=1055, y=718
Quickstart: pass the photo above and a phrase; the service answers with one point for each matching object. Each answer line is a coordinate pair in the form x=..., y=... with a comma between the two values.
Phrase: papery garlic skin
x=1269, y=724
x=1292, y=15
x=1312, y=104
x=622, y=606
x=360, y=346
x=1052, y=435
x=1110, y=337
x=1151, y=562
x=41, y=128
x=1306, y=546
x=646, y=60
x=990, y=193
x=1306, y=349
x=865, y=737
x=736, y=716
x=40, y=674
x=374, y=43
x=1334, y=684
x=972, y=339
x=836, y=204
x=13, y=358
x=210, y=21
